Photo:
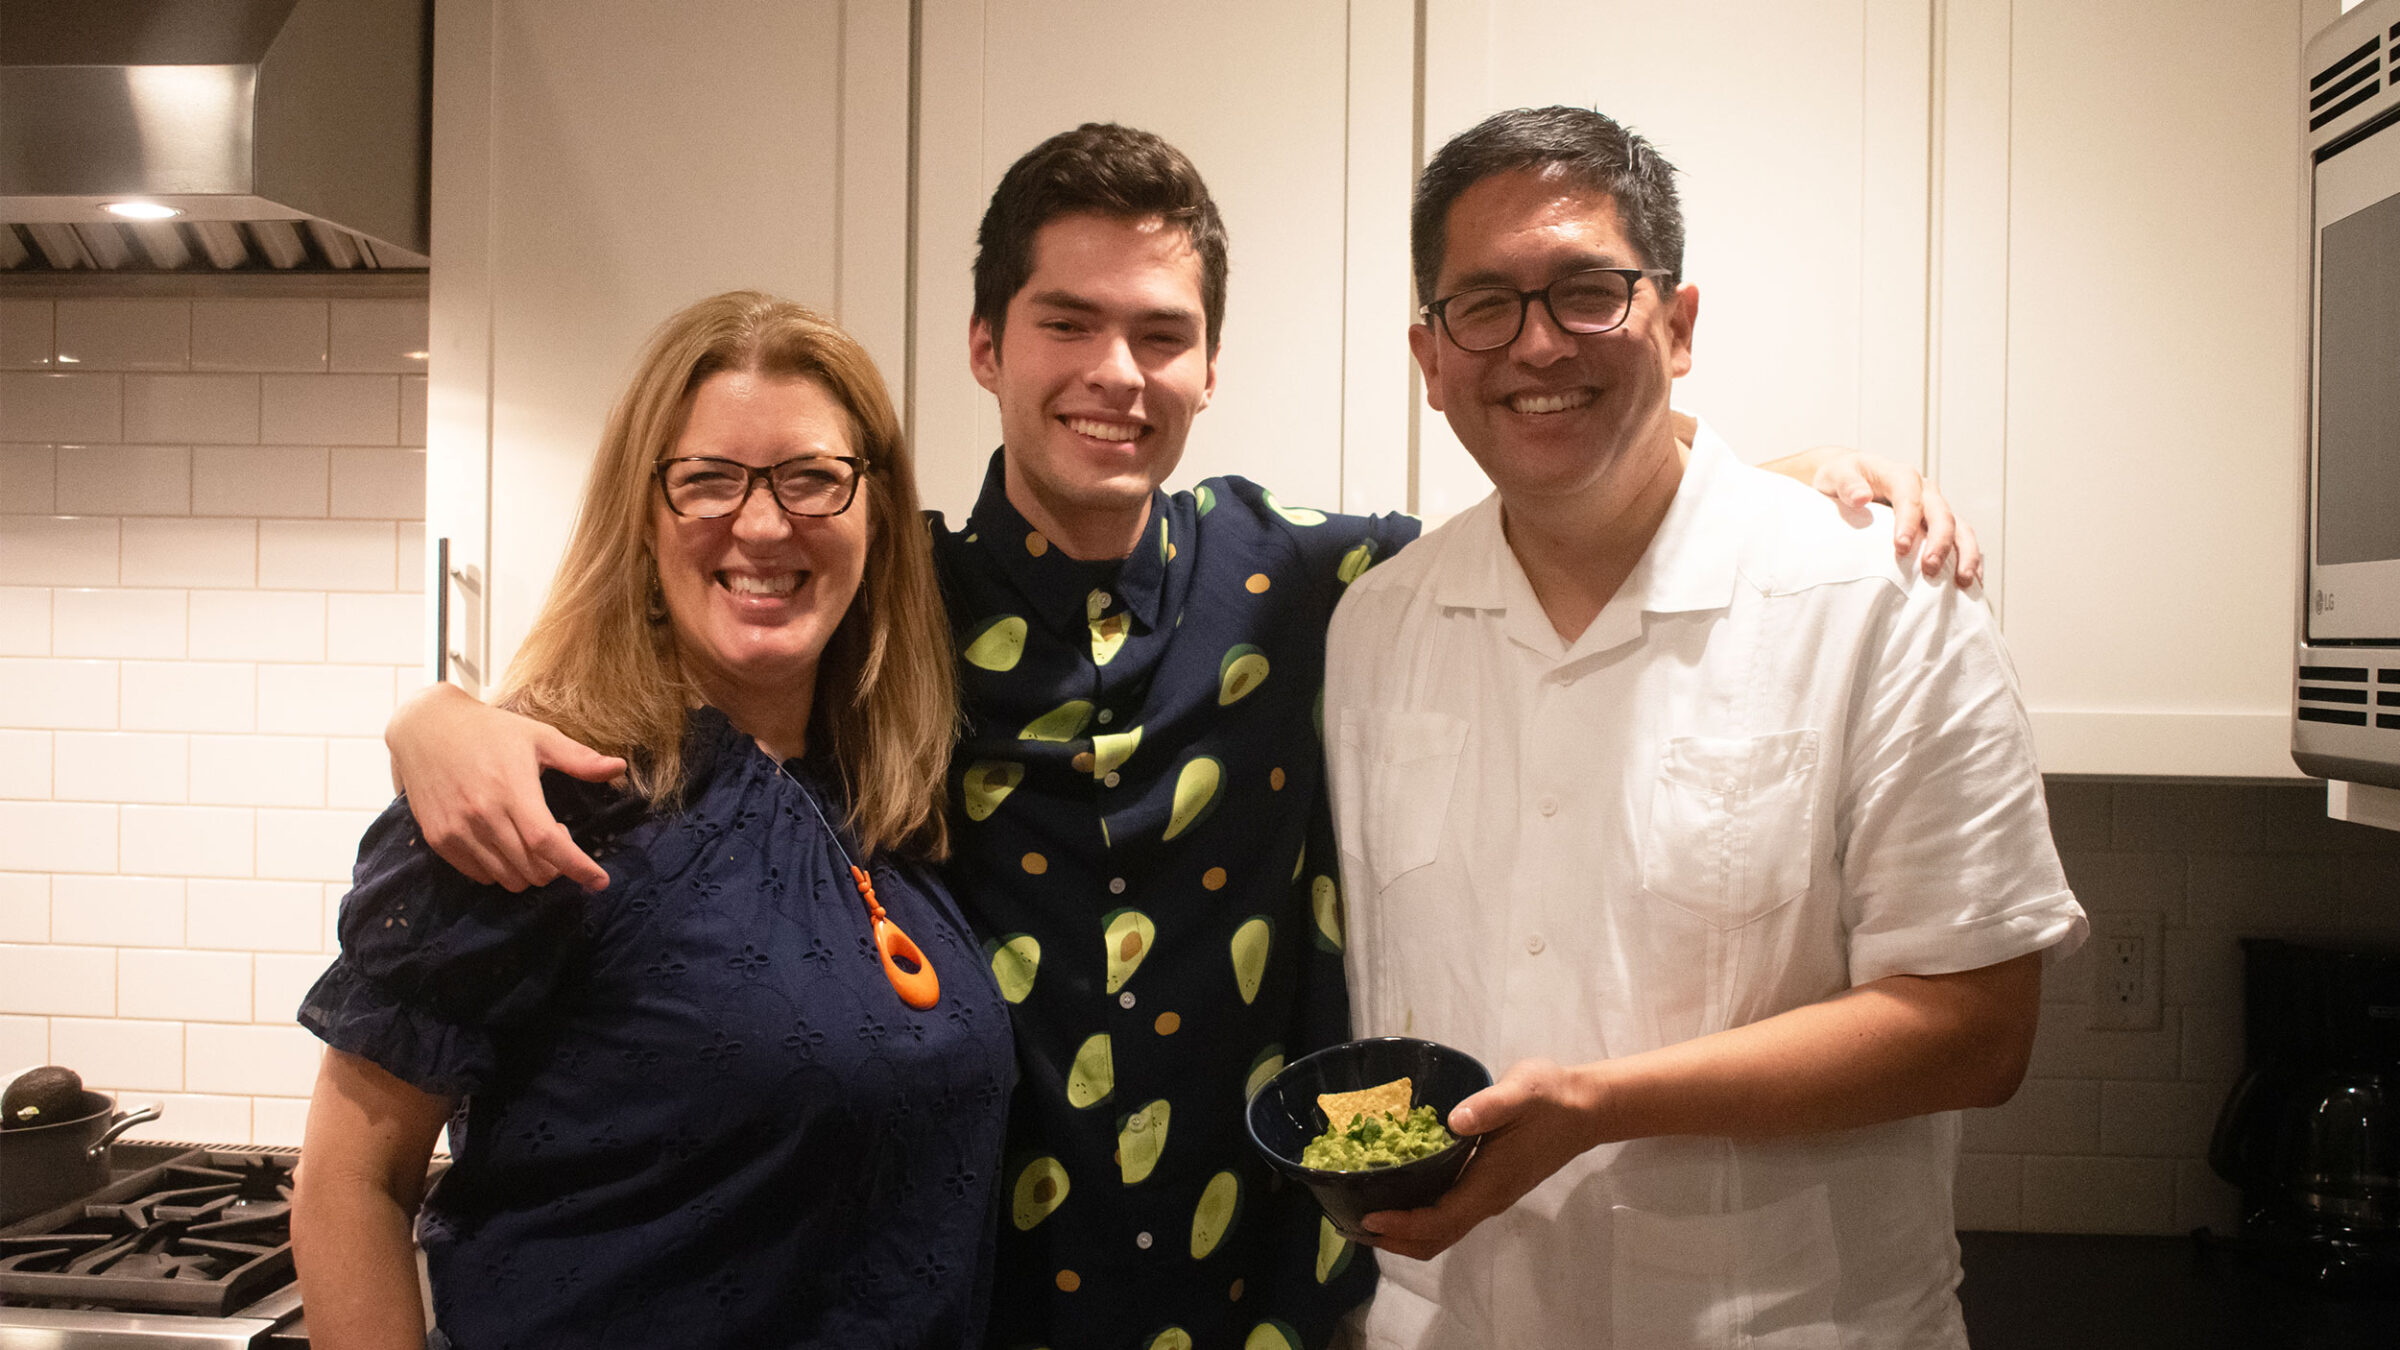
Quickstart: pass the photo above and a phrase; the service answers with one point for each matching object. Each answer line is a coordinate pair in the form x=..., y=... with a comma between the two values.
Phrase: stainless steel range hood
x=288, y=134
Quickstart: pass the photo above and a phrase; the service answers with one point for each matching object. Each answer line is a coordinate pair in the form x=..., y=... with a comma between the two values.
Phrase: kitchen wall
x=2110, y=1132
x=211, y=547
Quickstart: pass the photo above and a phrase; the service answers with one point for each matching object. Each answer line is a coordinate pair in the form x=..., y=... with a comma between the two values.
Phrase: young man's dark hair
x=1592, y=150
x=1104, y=169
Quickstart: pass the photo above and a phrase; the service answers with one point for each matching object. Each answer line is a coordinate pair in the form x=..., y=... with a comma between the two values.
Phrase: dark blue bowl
x=1283, y=1118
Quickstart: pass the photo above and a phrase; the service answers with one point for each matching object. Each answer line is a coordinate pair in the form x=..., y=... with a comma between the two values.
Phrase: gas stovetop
x=190, y=1246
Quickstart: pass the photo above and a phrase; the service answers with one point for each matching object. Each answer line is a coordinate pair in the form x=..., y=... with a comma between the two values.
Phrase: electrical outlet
x=2128, y=965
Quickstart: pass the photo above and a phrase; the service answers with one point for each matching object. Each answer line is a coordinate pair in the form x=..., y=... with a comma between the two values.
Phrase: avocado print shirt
x=1144, y=847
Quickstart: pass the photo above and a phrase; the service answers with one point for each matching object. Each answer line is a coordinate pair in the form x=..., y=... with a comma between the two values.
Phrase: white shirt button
x=1535, y=944
x=1116, y=885
x=1111, y=780
x=1107, y=717
x=1142, y=1240
x=1548, y=806
x=1100, y=600
x=1125, y=1000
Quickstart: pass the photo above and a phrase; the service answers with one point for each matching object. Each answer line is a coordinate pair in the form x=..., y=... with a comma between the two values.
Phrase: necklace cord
x=919, y=987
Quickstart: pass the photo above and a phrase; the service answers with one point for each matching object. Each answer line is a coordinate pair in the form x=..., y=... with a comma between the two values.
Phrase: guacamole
x=1384, y=1140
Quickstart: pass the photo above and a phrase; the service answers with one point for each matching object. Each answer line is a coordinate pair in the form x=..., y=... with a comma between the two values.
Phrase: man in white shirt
x=1659, y=782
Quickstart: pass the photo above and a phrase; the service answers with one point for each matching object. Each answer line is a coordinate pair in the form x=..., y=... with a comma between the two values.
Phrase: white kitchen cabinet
x=2120, y=383
x=598, y=164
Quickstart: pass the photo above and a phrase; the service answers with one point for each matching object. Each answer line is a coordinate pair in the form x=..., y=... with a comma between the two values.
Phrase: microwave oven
x=2346, y=675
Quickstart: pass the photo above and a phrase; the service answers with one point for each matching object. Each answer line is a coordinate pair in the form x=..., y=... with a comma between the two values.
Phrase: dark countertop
x=2056, y=1291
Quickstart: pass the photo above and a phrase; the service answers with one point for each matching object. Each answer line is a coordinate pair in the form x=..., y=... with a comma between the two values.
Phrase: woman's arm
x=362, y=1175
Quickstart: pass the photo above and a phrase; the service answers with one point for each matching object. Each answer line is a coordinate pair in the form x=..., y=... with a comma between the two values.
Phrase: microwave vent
x=2349, y=83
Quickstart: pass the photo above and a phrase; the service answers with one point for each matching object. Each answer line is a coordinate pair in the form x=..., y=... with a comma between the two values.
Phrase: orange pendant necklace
x=904, y=962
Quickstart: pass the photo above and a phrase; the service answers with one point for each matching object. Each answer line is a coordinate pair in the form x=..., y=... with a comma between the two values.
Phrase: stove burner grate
x=206, y=1233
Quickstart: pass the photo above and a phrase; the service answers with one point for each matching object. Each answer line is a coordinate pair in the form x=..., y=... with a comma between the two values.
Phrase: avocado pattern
x=1108, y=636
x=1195, y=794
x=1297, y=515
x=997, y=645
x=1251, y=942
x=1093, y=1077
x=1333, y=1250
x=1219, y=1209
x=1141, y=1137
x=1355, y=563
x=1015, y=960
x=1041, y=1187
x=987, y=783
x=1268, y=1064
x=1062, y=723
x=1127, y=934
x=1243, y=669
x=1325, y=902
x=1272, y=1335
x=1110, y=750
x=1169, y=1338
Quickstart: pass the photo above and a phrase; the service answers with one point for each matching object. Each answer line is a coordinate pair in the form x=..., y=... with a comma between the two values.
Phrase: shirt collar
x=1691, y=564
x=1056, y=586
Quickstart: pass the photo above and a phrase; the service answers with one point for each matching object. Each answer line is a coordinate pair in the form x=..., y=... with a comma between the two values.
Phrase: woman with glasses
x=751, y=1092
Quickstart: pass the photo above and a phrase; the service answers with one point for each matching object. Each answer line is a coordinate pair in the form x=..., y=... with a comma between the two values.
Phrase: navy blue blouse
x=694, y=1112
x=1144, y=843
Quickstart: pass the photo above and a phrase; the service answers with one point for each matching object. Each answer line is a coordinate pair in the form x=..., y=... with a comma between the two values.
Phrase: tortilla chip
x=1385, y=1099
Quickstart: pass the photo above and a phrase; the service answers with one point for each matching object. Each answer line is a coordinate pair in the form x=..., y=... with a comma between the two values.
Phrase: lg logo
x=2323, y=601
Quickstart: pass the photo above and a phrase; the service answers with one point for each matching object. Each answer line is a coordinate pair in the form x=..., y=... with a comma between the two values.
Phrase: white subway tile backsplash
x=2212, y=1044
x=2048, y=1115
x=279, y=1122
x=2065, y=1048
x=258, y=625
x=316, y=845
x=24, y=1041
x=2099, y=1195
x=358, y=773
x=324, y=700
x=24, y=910
x=24, y=621
x=2203, y=1200
x=25, y=334
x=124, y=334
x=117, y=911
x=120, y=1052
x=412, y=556
x=117, y=622
x=379, y=483
x=379, y=336
x=258, y=335
x=282, y=981
x=189, y=410
x=59, y=836
x=258, y=771
x=412, y=410
x=25, y=765
x=189, y=841
x=58, y=981
x=188, y=1116
x=124, y=480
x=120, y=766
x=46, y=407
x=256, y=916
x=210, y=553
x=250, y=1059
x=28, y=479
x=259, y=480
x=2159, y=1120
x=383, y=629
x=58, y=550
x=40, y=692
x=323, y=410
x=189, y=696
x=333, y=555
x=1989, y=1192
x=198, y=986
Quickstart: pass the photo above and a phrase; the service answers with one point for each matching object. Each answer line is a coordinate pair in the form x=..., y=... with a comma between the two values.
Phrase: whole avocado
x=43, y=1096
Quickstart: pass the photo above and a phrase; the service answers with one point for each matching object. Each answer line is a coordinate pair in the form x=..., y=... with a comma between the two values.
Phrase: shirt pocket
x=1756, y=1279
x=1403, y=764
x=1732, y=820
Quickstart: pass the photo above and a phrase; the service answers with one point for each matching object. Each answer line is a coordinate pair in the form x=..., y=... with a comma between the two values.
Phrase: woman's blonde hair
x=600, y=665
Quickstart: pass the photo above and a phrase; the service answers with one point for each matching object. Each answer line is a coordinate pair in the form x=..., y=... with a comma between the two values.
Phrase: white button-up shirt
x=1777, y=764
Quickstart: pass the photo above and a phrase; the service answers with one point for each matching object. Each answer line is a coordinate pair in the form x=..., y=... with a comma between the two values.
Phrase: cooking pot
x=45, y=1166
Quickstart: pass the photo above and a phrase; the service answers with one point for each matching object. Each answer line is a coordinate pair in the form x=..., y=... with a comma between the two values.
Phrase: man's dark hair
x=1104, y=169
x=1591, y=150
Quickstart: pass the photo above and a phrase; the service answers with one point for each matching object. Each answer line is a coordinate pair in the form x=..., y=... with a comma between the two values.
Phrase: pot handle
x=119, y=1126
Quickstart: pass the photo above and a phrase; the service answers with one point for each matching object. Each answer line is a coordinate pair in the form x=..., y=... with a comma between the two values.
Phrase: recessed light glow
x=417, y=356
x=141, y=210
